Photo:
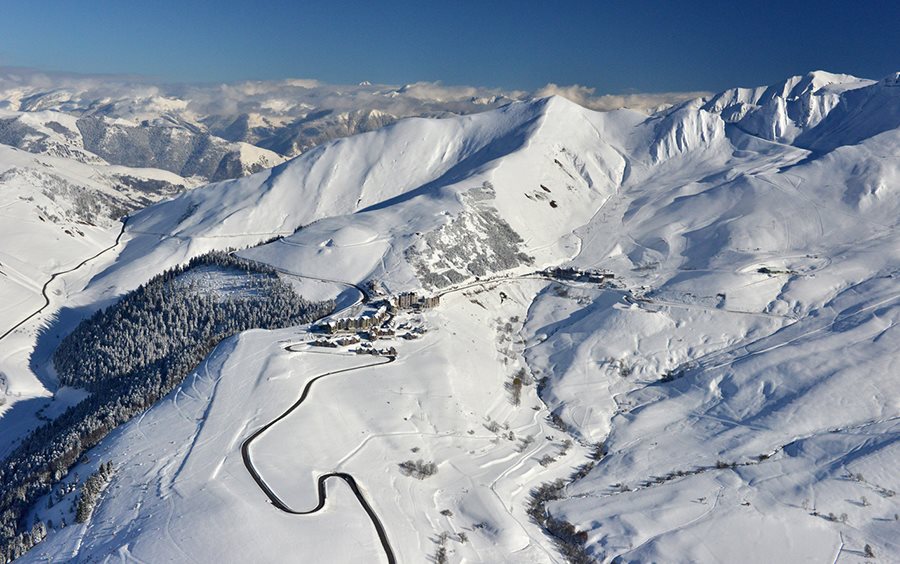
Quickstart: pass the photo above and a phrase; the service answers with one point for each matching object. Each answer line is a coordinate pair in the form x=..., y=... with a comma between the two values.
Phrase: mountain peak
x=558, y=105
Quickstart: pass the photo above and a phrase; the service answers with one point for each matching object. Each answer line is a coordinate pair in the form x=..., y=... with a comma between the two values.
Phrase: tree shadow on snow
x=53, y=330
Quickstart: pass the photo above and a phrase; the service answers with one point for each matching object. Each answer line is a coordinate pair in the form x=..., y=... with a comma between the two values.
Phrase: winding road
x=322, y=479
x=246, y=453
x=278, y=502
x=60, y=273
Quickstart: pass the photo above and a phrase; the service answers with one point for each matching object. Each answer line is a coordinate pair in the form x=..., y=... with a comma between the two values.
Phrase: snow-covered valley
x=709, y=375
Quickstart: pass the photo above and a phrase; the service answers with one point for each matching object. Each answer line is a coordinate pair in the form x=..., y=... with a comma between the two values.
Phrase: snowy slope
x=57, y=216
x=56, y=212
x=738, y=372
x=390, y=198
x=783, y=111
x=159, y=143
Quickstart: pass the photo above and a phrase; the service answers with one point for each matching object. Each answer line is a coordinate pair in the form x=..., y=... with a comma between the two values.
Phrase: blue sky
x=615, y=47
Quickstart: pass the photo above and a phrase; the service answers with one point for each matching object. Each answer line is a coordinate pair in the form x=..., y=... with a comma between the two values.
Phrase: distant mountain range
x=211, y=132
x=206, y=131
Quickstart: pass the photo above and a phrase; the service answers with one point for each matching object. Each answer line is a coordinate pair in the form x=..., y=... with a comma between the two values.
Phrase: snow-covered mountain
x=207, y=131
x=57, y=212
x=728, y=396
x=128, y=122
x=177, y=148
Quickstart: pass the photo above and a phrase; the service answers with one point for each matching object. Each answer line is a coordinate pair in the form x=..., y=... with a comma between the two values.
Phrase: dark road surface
x=61, y=272
x=273, y=497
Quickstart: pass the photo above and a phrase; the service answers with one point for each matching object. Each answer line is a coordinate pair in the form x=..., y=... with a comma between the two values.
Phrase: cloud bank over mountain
x=644, y=102
x=228, y=99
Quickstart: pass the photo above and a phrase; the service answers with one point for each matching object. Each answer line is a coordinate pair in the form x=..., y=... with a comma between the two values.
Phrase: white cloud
x=293, y=98
x=645, y=102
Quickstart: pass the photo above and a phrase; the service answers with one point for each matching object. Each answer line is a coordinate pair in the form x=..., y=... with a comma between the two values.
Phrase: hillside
x=57, y=212
x=708, y=376
x=159, y=144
